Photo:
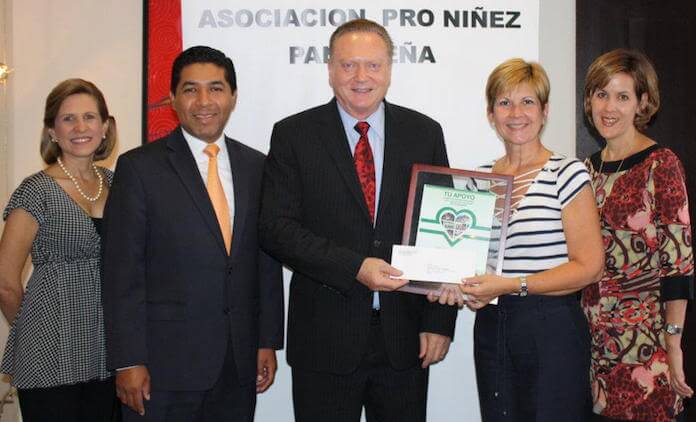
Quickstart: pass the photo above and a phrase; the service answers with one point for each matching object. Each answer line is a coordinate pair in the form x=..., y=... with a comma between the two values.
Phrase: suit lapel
x=185, y=166
x=339, y=150
x=392, y=157
x=240, y=180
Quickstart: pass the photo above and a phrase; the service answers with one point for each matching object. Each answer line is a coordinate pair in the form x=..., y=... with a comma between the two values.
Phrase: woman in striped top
x=532, y=349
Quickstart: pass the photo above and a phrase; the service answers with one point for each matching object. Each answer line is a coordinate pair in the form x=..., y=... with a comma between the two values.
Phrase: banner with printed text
x=444, y=51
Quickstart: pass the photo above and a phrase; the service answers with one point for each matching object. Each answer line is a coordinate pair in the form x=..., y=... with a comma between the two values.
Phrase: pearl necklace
x=77, y=185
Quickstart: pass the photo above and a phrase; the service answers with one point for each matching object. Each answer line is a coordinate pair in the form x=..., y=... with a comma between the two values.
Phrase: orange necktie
x=217, y=195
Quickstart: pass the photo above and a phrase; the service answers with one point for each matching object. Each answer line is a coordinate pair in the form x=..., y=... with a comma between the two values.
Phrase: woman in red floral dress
x=636, y=311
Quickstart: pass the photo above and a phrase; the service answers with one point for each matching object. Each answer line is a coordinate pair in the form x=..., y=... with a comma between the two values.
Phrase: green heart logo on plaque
x=455, y=223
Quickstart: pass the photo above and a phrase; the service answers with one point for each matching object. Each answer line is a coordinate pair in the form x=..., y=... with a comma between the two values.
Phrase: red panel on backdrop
x=162, y=44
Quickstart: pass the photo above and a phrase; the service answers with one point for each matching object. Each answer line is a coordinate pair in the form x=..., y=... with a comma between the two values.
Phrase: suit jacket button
x=376, y=243
x=226, y=311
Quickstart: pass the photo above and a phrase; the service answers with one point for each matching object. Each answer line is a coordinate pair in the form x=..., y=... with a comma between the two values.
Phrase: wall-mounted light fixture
x=4, y=72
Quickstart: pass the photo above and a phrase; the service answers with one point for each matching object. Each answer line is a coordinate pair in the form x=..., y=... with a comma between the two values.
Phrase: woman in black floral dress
x=636, y=311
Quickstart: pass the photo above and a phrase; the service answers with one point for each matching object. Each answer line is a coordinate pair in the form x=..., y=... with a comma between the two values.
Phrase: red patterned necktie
x=365, y=167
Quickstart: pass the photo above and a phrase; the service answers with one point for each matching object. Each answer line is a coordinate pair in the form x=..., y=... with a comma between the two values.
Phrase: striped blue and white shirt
x=535, y=238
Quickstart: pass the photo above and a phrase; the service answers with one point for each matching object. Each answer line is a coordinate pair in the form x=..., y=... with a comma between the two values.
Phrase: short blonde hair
x=50, y=150
x=634, y=64
x=514, y=72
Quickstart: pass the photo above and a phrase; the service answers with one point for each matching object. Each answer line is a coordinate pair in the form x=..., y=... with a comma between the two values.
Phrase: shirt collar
x=198, y=145
x=376, y=121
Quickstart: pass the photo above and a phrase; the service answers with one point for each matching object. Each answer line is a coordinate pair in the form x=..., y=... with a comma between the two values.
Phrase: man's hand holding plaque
x=378, y=275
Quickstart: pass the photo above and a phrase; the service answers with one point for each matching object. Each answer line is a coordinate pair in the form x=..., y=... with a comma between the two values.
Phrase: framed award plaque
x=455, y=226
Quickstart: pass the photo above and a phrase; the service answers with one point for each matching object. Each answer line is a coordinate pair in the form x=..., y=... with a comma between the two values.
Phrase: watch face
x=523, y=286
x=672, y=329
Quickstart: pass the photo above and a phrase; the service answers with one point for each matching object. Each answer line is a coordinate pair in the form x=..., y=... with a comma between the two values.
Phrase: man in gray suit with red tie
x=193, y=309
x=334, y=198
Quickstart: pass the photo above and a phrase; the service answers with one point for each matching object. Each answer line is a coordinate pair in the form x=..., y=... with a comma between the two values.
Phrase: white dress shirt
x=224, y=169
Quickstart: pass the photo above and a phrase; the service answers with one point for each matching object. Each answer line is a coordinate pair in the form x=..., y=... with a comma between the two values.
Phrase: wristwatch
x=523, y=286
x=672, y=329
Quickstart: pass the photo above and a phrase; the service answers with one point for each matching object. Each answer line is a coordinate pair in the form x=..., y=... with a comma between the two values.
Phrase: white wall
x=557, y=55
x=9, y=412
x=51, y=40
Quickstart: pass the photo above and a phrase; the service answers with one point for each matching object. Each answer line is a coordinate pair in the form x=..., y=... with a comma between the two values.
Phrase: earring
x=54, y=140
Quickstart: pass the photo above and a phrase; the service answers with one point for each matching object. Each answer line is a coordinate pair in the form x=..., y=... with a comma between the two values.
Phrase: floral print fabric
x=647, y=237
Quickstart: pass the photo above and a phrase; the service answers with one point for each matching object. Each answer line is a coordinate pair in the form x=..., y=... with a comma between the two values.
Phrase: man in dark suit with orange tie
x=334, y=198
x=193, y=308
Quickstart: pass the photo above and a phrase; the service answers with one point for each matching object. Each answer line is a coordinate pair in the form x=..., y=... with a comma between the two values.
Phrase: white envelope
x=443, y=265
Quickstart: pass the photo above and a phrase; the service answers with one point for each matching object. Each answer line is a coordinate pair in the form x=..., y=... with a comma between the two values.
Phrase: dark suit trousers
x=388, y=395
x=226, y=401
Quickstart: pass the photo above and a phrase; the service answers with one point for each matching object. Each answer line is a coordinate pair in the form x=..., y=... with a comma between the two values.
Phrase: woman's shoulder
x=661, y=153
x=652, y=153
x=562, y=160
x=38, y=180
x=664, y=164
x=108, y=173
x=30, y=195
x=564, y=165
